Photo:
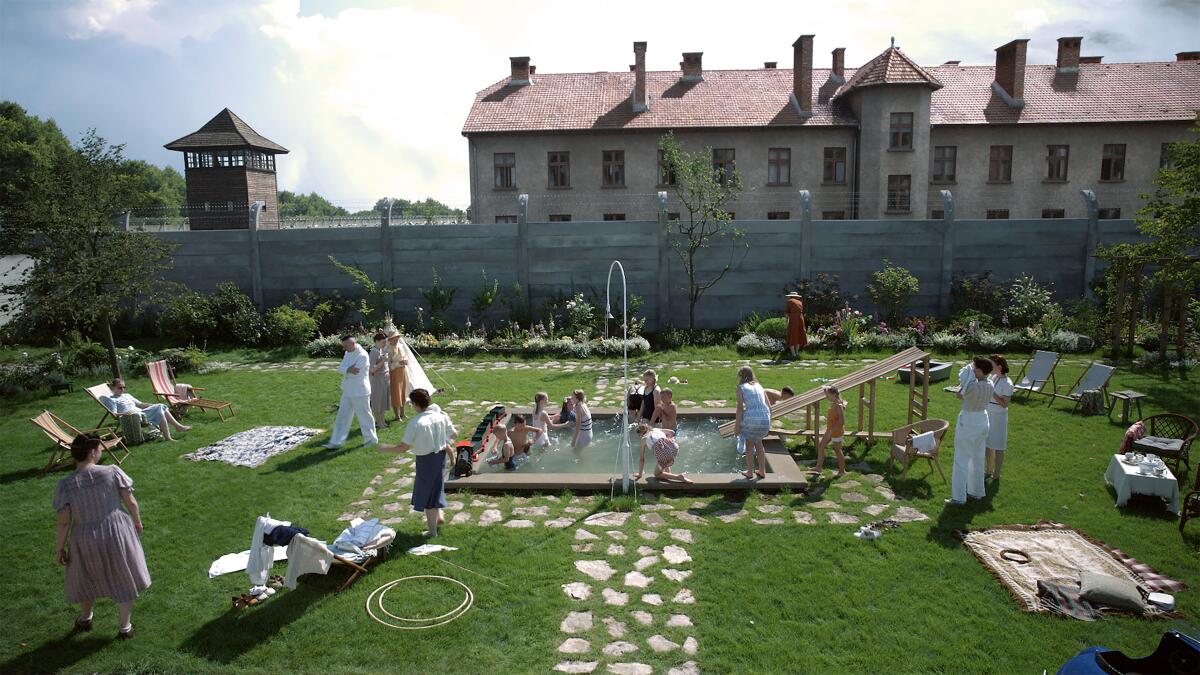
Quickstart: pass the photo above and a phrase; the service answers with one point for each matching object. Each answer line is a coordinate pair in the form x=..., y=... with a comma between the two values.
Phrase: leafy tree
x=161, y=188
x=892, y=289
x=439, y=298
x=29, y=149
x=311, y=204
x=428, y=208
x=705, y=192
x=87, y=269
x=377, y=298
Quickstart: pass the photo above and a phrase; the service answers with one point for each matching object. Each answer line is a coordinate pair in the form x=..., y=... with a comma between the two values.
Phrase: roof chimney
x=838, y=71
x=1068, y=54
x=692, y=69
x=638, y=98
x=520, y=70
x=532, y=70
x=1187, y=56
x=1090, y=59
x=802, y=53
x=951, y=63
x=1010, y=73
x=770, y=64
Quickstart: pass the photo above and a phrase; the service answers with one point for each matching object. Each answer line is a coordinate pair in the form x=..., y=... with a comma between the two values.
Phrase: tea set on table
x=1147, y=465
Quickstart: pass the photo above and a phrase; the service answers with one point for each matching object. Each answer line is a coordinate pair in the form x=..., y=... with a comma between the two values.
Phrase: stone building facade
x=1009, y=140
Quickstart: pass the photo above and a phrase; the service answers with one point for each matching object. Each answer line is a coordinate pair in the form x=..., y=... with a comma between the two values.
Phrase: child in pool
x=503, y=443
x=662, y=443
x=583, y=422
x=518, y=435
x=665, y=413
x=835, y=427
x=541, y=420
x=566, y=414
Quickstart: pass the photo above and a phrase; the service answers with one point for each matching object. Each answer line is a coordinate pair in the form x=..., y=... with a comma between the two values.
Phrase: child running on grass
x=662, y=443
x=665, y=413
x=835, y=427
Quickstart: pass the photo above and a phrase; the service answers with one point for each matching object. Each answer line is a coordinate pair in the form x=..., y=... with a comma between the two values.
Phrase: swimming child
x=665, y=413
x=662, y=443
x=541, y=420
x=503, y=443
x=518, y=435
x=566, y=414
x=835, y=428
x=583, y=422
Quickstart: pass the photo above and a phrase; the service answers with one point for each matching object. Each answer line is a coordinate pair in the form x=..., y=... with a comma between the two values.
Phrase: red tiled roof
x=890, y=67
x=225, y=130
x=1108, y=92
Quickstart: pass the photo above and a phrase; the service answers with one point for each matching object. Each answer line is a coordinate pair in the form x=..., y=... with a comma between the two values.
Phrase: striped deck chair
x=1096, y=377
x=62, y=434
x=163, y=381
x=104, y=390
x=1037, y=371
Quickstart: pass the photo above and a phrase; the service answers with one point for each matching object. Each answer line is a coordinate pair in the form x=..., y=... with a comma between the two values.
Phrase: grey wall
x=575, y=256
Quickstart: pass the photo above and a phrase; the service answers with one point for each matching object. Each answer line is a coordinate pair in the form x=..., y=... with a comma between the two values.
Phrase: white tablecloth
x=1127, y=480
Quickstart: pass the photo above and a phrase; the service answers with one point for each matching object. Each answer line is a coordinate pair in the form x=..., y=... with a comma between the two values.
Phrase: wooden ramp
x=864, y=379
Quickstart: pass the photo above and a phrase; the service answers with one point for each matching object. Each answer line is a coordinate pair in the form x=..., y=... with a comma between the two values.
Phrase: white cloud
x=152, y=23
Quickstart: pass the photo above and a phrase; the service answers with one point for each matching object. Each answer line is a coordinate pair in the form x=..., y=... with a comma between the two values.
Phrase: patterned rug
x=253, y=447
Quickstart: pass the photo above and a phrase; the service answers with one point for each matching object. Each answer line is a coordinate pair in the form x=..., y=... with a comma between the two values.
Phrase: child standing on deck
x=665, y=413
x=662, y=443
x=835, y=427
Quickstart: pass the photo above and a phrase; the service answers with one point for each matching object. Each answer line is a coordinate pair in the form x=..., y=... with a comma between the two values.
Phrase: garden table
x=1127, y=480
x=1126, y=397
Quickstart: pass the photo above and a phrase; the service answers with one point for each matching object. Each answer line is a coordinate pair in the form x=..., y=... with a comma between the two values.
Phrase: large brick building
x=1008, y=140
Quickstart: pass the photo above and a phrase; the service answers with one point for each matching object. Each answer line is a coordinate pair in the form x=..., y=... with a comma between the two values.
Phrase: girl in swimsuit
x=835, y=427
x=583, y=422
x=662, y=443
x=649, y=397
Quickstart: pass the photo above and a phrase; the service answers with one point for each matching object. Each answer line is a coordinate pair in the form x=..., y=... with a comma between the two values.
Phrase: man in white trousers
x=971, y=432
x=356, y=396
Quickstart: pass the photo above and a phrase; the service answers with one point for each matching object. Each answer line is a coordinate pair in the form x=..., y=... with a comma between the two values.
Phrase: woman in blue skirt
x=430, y=438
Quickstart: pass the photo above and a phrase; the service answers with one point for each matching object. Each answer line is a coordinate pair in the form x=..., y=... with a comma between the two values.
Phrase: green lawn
x=781, y=598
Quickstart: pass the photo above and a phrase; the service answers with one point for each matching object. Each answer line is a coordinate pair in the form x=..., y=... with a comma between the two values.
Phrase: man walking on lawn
x=356, y=396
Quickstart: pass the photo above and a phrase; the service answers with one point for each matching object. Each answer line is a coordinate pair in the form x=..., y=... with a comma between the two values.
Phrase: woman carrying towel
x=997, y=411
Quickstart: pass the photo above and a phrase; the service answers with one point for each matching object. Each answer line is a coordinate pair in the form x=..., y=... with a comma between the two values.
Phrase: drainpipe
x=854, y=190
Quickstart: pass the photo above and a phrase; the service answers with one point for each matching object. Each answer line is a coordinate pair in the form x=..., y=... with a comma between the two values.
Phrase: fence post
x=1093, y=237
x=947, y=251
x=806, y=271
x=663, y=274
x=385, y=244
x=256, y=289
x=125, y=221
x=523, y=248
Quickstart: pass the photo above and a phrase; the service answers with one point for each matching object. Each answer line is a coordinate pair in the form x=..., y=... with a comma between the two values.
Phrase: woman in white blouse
x=997, y=411
x=430, y=438
x=971, y=432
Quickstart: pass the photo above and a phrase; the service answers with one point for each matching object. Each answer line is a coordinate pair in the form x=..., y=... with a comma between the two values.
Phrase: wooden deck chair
x=1037, y=371
x=62, y=434
x=382, y=545
x=1096, y=377
x=163, y=381
x=103, y=390
x=902, y=449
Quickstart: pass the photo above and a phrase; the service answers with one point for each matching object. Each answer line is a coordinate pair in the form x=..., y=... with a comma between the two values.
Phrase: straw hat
x=389, y=327
x=793, y=294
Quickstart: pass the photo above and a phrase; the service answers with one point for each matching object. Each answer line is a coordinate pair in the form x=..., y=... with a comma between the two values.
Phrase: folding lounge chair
x=1037, y=371
x=902, y=449
x=371, y=552
x=163, y=381
x=1096, y=377
x=62, y=434
x=96, y=393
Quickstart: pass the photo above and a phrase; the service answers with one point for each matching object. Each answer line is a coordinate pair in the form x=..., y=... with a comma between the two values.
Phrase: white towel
x=236, y=562
x=924, y=442
x=306, y=556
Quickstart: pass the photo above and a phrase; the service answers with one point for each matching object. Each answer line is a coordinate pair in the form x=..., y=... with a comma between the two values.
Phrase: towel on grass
x=253, y=447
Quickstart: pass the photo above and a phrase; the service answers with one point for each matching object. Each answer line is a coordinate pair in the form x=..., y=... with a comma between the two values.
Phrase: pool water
x=701, y=450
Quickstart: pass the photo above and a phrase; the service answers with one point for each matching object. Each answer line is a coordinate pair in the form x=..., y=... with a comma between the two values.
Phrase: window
x=945, y=163
x=997, y=214
x=558, y=166
x=505, y=219
x=231, y=158
x=723, y=164
x=835, y=166
x=1109, y=214
x=1054, y=213
x=260, y=160
x=937, y=214
x=833, y=215
x=779, y=166
x=899, y=195
x=1166, y=160
x=614, y=168
x=1112, y=164
x=560, y=217
x=779, y=215
x=614, y=216
x=1056, y=162
x=506, y=171
x=666, y=175
x=901, y=137
x=1000, y=164
x=674, y=215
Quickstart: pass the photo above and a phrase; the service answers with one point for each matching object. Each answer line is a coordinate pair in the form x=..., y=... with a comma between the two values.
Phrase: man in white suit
x=356, y=396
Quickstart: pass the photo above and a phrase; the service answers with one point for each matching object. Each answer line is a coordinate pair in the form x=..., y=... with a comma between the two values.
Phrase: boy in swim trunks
x=518, y=435
x=504, y=444
x=662, y=443
x=835, y=427
x=665, y=413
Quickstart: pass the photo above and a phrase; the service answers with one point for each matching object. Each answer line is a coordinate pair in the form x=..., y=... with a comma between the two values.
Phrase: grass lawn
x=769, y=598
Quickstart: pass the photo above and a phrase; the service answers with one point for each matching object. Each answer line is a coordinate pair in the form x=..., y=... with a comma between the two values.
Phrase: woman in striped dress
x=752, y=421
x=104, y=558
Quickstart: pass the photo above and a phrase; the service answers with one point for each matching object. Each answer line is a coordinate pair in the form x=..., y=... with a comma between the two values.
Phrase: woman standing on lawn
x=379, y=380
x=796, y=336
x=430, y=438
x=397, y=369
x=997, y=411
x=752, y=421
x=971, y=432
x=104, y=558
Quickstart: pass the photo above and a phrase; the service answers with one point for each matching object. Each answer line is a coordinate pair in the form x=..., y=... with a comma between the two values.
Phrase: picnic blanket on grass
x=253, y=447
x=1020, y=556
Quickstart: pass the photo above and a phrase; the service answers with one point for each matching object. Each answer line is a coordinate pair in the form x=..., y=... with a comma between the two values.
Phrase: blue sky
x=370, y=96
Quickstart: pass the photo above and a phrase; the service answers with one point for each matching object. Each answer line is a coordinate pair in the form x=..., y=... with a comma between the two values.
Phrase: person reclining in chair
x=157, y=414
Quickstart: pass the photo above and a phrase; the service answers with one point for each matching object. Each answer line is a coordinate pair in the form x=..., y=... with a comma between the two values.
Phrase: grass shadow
x=309, y=459
x=955, y=518
x=26, y=474
x=55, y=655
x=236, y=632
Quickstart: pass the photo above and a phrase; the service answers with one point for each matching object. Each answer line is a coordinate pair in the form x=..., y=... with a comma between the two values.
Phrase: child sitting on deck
x=665, y=413
x=662, y=443
x=835, y=427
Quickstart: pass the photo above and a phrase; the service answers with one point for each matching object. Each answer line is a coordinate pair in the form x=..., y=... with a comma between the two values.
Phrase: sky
x=370, y=96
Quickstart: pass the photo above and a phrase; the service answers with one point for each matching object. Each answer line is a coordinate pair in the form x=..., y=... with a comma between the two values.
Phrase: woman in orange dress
x=796, y=337
x=397, y=354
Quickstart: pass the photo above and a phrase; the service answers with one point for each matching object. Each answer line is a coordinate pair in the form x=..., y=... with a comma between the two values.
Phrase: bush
x=774, y=328
x=184, y=360
x=892, y=289
x=133, y=361
x=324, y=346
x=463, y=346
x=439, y=299
x=288, y=327
x=1029, y=301
x=678, y=338
x=946, y=342
x=821, y=297
x=237, y=319
x=890, y=342
x=84, y=357
x=976, y=293
x=997, y=341
x=188, y=318
x=329, y=310
x=752, y=343
x=961, y=322
x=616, y=346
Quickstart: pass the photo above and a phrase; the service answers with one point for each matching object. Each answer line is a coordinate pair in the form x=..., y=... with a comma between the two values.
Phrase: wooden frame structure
x=864, y=379
x=57, y=430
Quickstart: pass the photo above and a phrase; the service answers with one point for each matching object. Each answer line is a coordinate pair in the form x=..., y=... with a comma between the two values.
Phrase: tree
x=705, y=191
x=87, y=269
x=311, y=204
x=29, y=148
x=891, y=289
x=159, y=188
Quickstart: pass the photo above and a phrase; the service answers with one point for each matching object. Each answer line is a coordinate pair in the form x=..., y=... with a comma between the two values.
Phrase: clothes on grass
x=664, y=447
x=430, y=482
x=126, y=403
x=262, y=555
x=237, y=562
x=1065, y=599
x=306, y=556
x=998, y=414
x=253, y=447
x=380, y=383
x=350, y=407
x=429, y=432
x=796, y=335
x=104, y=557
x=281, y=535
x=756, y=414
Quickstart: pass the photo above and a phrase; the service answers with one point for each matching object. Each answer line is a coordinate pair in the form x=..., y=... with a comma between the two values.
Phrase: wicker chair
x=902, y=449
x=1191, y=504
x=1170, y=436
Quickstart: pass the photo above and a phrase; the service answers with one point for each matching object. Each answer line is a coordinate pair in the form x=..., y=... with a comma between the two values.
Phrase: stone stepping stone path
x=578, y=590
x=599, y=570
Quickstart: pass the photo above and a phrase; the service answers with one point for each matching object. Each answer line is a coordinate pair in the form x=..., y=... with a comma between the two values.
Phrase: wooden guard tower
x=228, y=167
